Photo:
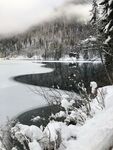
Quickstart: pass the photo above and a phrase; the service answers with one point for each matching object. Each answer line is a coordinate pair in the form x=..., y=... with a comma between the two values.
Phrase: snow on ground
x=97, y=133
x=16, y=97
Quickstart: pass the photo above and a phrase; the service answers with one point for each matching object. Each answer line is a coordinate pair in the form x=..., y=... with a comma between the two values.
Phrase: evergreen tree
x=94, y=12
x=107, y=29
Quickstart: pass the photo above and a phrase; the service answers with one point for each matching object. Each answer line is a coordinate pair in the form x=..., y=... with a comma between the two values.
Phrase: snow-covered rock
x=93, y=86
x=35, y=119
x=32, y=132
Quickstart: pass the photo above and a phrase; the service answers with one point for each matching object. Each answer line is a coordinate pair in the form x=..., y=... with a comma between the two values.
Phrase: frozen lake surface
x=16, y=97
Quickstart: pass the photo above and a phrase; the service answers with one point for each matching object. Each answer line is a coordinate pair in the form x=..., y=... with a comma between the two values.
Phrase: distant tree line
x=50, y=40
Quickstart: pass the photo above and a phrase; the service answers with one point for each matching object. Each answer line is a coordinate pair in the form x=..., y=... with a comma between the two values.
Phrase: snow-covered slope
x=97, y=133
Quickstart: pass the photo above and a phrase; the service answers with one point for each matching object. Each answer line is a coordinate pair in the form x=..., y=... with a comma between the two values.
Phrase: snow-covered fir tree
x=94, y=12
x=107, y=30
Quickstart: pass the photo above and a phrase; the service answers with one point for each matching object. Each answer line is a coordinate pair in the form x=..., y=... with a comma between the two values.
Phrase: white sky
x=18, y=15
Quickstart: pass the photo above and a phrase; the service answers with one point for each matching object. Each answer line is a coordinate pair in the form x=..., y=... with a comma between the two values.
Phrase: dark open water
x=67, y=76
x=64, y=77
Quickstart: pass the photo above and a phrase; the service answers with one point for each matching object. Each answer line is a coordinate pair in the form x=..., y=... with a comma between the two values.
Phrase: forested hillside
x=52, y=39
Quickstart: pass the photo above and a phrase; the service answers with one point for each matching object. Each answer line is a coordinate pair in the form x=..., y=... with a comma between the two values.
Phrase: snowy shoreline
x=65, y=59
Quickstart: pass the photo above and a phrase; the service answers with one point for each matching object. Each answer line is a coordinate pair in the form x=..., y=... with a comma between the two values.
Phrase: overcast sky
x=19, y=15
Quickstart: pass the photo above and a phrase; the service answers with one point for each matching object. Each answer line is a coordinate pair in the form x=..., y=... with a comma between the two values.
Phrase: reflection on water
x=67, y=76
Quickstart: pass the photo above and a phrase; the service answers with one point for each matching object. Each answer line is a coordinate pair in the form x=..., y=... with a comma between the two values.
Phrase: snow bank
x=97, y=133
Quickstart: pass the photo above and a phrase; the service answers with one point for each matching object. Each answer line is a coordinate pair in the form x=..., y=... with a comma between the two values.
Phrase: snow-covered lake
x=16, y=97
